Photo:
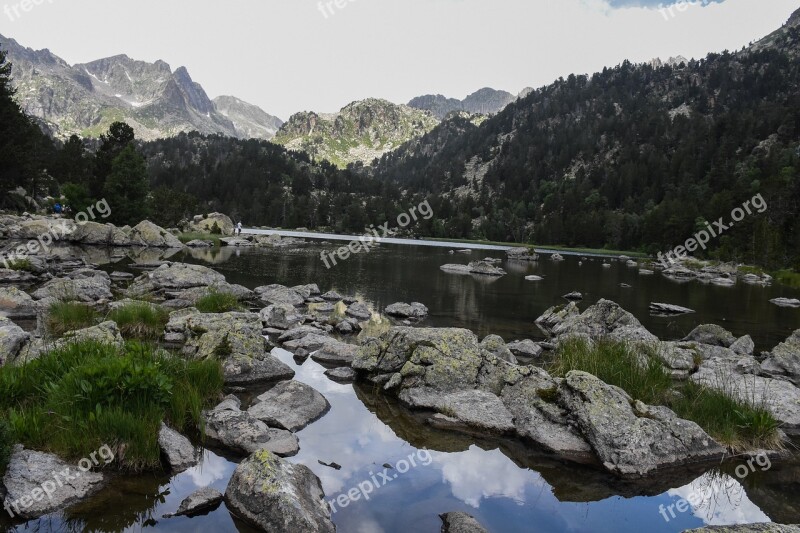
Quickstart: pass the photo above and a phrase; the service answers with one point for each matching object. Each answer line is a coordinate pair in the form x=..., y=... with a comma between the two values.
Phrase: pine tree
x=126, y=188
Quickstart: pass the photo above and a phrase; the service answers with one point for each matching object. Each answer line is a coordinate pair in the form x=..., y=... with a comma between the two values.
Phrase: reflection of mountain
x=723, y=500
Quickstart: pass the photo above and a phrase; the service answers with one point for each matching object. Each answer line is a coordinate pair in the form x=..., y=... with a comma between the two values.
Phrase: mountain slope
x=486, y=101
x=249, y=120
x=632, y=157
x=85, y=99
x=360, y=132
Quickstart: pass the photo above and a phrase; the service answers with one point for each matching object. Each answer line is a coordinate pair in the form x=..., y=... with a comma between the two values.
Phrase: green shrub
x=140, y=320
x=87, y=394
x=218, y=302
x=21, y=265
x=69, y=316
x=215, y=229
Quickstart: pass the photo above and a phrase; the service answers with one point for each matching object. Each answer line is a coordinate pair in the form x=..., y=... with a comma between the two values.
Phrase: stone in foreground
x=29, y=472
x=236, y=430
x=275, y=495
x=177, y=449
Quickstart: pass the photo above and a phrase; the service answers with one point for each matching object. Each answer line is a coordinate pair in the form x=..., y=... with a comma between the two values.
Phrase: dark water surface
x=508, y=487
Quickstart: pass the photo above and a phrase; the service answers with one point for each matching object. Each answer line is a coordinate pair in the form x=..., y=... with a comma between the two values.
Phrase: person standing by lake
x=238, y=231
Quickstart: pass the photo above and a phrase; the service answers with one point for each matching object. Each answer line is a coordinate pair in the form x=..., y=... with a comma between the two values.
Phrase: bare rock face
x=29, y=472
x=290, y=405
x=631, y=438
x=237, y=431
x=275, y=495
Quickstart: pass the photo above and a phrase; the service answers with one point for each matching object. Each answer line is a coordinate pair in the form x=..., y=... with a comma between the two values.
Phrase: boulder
x=281, y=316
x=237, y=431
x=629, y=437
x=199, y=502
x=15, y=303
x=300, y=332
x=149, y=235
x=460, y=523
x=88, y=290
x=555, y=316
x=205, y=224
x=744, y=346
x=534, y=278
x=359, y=311
x=29, y=472
x=335, y=353
x=784, y=361
x=309, y=343
x=604, y=319
x=525, y=348
x=573, y=296
x=174, y=277
x=12, y=340
x=94, y=233
x=556, y=257
x=470, y=411
x=104, y=333
x=332, y=296
x=275, y=495
x=414, y=310
x=495, y=345
x=711, y=334
x=278, y=294
x=341, y=375
x=179, y=452
x=290, y=405
x=484, y=268
x=669, y=309
x=522, y=254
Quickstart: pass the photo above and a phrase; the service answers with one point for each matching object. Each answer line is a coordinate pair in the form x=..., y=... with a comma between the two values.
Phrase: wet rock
x=414, y=310
x=631, y=438
x=276, y=495
x=525, y=348
x=711, y=334
x=784, y=361
x=278, y=294
x=646, y=272
x=522, y=254
x=573, y=296
x=147, y=234
x=495, y=345
x=290, y=405
x=335, y=353
x=723, y=282
x=481, y=268
x=179, y=452
x=786, y=302
x=456, y=269
x=342, y=375
x=199, y=502
x=534, y=278
x=359, y=310
x=30, y=471
x=281, y=316
x=555, y=316
x=669, y=309
x=236, y=430
x=460, y=523
x=15, y=303
x=88, y=290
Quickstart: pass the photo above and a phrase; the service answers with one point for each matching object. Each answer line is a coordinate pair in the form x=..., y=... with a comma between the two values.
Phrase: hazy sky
x=293, y=55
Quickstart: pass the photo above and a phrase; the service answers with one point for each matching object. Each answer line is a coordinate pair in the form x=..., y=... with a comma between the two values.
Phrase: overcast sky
x=293, y=55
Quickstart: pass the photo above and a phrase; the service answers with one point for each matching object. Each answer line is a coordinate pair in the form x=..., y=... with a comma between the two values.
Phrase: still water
x=508, y=487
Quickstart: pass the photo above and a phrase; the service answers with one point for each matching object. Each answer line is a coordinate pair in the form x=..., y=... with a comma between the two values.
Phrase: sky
x=301, y=55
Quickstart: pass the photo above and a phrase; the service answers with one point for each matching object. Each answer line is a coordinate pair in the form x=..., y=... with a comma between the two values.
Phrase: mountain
x=486, y=101
x=360, y=132
x=633, y=157
x=84, y=99
x=249, y=120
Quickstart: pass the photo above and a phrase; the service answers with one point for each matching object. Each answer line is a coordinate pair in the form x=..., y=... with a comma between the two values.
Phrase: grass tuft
x=218, y=302
x=63, y=317
x=197, y=236
x=86, y=395
x=140, y=320
x=21, y=265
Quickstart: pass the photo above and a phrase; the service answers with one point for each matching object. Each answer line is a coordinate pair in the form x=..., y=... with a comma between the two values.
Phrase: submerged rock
x=29, y=472
x=290, y=405
x=199, y=502
x=276, y=495
x=236, y=430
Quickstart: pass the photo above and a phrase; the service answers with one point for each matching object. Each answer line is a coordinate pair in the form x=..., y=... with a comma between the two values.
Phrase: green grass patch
x=76, y=399
x=63, y=317
x=6, y=445
x=140, y=320
x=740, y=425
x=747, y=269
x=197, y=236
x=790, y=278
x=218, y=302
